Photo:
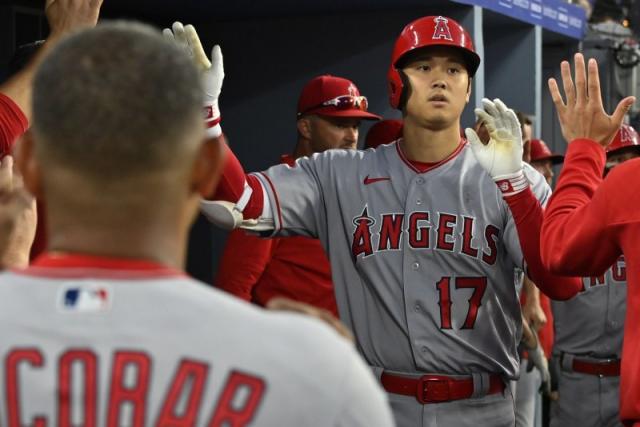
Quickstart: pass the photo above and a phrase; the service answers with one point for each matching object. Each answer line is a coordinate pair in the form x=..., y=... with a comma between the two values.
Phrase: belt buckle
x=433, y=390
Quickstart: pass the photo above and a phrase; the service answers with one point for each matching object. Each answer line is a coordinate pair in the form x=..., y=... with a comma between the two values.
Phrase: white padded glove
x=227, y=216
x=212, y=73
x=502, y=156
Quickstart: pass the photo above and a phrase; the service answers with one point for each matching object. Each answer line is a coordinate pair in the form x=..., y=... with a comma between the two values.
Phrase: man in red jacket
x=329, y=113
x=589, y=221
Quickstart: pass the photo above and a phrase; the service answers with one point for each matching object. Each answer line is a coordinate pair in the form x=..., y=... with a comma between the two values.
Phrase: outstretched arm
x=502, y=159
x=64, y=17
x=239, y=199
x=579, y=213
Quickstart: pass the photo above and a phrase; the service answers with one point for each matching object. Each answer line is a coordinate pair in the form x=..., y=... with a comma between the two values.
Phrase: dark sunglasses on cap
x=342, y=102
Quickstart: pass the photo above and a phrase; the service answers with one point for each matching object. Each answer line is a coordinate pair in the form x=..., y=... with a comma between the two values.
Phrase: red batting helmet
x=626, y=138
x=423, y=32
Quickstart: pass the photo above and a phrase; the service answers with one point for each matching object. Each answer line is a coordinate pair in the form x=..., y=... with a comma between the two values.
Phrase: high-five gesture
x=583, y=115
x=212, y=72
x=65, y=16
x=501, y=157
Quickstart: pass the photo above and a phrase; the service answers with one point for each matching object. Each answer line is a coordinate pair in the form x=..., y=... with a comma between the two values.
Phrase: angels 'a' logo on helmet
x=442, y=29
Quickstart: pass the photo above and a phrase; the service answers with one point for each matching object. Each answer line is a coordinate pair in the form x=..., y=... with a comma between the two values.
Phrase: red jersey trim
x=275, y=196
x=83, y=265
x=412, y=166
x=288, y=159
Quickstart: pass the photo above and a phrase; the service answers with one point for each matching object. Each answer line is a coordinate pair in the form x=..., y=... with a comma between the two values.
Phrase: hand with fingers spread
x=65, y=16
x=582, y=115
x=212, y=72
x=17, y=218
x=501, y=157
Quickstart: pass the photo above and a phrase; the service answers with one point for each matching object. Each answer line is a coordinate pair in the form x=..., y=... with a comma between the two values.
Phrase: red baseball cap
x=383, y=132
x=332, y=96
x=540, y=151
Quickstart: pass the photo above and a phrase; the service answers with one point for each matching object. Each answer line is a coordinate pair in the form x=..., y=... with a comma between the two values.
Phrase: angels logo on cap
x=442, y=29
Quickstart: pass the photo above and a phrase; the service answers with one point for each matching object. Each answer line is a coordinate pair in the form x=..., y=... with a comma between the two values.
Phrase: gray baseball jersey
x=592, y=322
x=88, y=345
x=423, y=263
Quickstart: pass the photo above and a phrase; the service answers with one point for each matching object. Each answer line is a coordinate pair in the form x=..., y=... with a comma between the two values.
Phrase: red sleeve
x=576, y=234
x=527, y=214
x=232, y=182
x=243, y=261
x=13, y=123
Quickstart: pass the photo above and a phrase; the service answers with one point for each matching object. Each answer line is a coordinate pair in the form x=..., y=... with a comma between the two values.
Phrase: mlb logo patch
x=85, y=298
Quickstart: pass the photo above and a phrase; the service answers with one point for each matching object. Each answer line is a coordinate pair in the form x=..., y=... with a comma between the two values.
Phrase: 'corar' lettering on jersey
x=131, y=378
x=438, y=231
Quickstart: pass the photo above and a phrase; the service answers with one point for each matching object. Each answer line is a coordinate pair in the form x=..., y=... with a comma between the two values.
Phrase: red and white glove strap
x=512, y=184
x=212, y=121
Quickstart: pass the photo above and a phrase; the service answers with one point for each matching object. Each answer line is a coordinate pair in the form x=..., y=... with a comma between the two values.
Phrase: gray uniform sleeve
x=364, y=402
x=297, y=194
x=542, y=191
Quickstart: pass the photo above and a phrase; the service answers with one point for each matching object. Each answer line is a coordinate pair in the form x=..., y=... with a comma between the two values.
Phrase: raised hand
x=582, y=115
x=212, y=72
x=65, y=16
x=501, y=157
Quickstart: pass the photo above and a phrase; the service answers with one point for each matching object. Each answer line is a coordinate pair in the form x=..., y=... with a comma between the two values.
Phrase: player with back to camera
x=106, y=328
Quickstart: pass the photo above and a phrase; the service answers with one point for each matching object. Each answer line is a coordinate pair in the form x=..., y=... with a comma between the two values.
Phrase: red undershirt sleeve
x=527, y=214
x=232, y=184
x=577, y=234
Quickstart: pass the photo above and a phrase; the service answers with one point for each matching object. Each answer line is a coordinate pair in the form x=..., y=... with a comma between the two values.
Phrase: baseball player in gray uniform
x=106, y=329
x=587, y=350
x=422, y=242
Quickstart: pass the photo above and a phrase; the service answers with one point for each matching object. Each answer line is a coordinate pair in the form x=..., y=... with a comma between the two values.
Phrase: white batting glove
x=228, y=216
x=502, y=156
x=212, y=72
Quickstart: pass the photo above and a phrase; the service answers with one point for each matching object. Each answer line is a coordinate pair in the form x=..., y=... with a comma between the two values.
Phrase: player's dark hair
x=115, y=102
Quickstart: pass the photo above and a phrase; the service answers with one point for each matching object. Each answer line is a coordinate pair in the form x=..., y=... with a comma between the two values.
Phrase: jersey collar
x=76, y=265
x=419, y=167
